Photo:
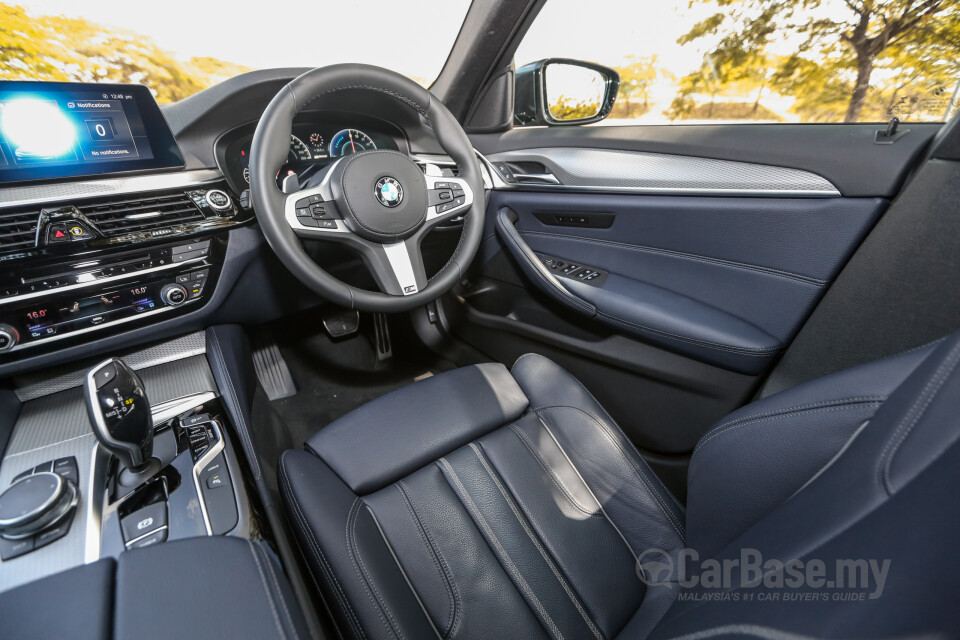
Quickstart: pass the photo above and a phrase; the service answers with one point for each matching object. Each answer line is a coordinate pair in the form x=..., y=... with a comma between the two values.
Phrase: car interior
x=326, y=353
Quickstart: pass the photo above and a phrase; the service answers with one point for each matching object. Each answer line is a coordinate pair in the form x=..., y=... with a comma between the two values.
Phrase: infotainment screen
x=62, y=129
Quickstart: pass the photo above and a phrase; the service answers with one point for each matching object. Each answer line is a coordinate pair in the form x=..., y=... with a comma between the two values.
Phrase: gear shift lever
x=120, y=416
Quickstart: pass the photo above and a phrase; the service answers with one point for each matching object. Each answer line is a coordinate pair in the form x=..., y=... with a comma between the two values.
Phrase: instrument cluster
x=313, y=146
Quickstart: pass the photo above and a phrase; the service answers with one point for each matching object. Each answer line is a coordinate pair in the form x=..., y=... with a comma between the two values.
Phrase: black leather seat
x=487, y=503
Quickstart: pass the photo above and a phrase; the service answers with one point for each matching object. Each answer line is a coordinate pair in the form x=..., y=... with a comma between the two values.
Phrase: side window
x=711, y=61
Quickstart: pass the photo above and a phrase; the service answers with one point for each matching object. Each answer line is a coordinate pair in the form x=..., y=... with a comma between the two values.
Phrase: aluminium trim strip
x=96, y=282
x=200, y=465
x=52, y=193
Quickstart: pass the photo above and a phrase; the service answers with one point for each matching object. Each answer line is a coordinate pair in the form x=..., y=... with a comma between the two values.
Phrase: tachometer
x=350, y=141
x=299, y=152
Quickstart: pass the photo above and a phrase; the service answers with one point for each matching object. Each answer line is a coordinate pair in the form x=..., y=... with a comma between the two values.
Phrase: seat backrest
x=886, y=503
x=756, y=458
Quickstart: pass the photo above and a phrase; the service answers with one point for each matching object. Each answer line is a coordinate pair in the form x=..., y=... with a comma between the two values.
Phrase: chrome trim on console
x=97, y=281
x=172, y=408
x=52, y=193
x=198, y=468
x=96, y=479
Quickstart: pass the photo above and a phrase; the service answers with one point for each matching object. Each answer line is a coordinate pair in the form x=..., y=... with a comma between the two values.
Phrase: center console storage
x=203, y=588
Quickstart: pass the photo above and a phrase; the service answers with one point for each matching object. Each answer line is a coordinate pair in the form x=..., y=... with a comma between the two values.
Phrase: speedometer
x=350, y=141
x=298, y=150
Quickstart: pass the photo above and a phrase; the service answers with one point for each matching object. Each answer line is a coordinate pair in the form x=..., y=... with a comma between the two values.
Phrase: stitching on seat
x=453, y=595
x=350, y=534
x=809, y=405
x=604, y=511
x=751, y=352
x=619, y=432
x=930, y=391
x=674, y=522
x=550, y=473
x=788, y=413
x=266, y=590
x=501, y=553
x=241, y=423
x=574, y=598
x=279, y=591
x=318, y=554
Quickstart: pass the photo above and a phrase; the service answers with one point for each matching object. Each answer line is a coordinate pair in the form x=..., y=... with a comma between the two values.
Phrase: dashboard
x=318, y=140
x=159, y=237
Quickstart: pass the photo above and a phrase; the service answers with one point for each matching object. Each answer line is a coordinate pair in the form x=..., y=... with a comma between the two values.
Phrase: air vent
x=114, y=216
x=18, y=230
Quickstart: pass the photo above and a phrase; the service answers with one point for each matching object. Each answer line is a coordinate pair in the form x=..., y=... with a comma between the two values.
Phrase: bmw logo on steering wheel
x=389, y=192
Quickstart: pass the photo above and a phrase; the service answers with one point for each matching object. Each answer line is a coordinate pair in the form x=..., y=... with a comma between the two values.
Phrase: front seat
x=487, y=503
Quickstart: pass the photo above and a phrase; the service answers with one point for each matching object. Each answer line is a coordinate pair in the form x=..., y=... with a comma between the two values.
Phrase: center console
x=117, y=455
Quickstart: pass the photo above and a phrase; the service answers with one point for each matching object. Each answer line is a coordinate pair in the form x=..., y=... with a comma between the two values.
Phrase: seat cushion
x=479, y=503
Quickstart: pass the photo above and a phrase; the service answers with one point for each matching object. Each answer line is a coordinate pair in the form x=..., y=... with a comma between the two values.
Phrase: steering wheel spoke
x=397, y=267
x=447, y=198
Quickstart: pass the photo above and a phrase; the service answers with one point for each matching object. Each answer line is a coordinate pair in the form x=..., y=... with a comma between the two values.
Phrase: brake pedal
x=382, y=337
x=272, y=369
x=342, y=323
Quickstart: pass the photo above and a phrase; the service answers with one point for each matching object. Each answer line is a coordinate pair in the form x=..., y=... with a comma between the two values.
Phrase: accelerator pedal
x=382, y=337
x=272, y=369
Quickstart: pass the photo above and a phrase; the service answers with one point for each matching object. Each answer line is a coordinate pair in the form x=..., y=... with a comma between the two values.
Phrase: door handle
x=536, y=178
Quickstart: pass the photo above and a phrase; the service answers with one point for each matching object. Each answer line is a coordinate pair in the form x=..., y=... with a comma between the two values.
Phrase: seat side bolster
x=757, y=457
x=633, y=497
x=343, y=543
x=392, y=436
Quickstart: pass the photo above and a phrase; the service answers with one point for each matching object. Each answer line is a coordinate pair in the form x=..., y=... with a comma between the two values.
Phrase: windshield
x=180, y=47
x=708, y=61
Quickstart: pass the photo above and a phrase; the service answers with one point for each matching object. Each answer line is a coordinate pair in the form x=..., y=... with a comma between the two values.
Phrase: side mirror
x=558, y=91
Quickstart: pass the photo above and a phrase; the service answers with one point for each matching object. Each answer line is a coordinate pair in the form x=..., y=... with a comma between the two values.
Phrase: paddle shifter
x=120, y=415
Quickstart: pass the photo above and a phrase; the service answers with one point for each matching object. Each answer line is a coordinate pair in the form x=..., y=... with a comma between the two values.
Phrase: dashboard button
x=57, y=233
x=8, y=337
x=104, y=375
x=218, y=200
x=144, y=521
x=183, y=279
x=192, y=247
x=10, y=549
x=78, y=232
x=55, y=533
x=190, y=255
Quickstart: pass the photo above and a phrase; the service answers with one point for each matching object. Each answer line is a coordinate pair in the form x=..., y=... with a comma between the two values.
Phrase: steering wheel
x=381, y=203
